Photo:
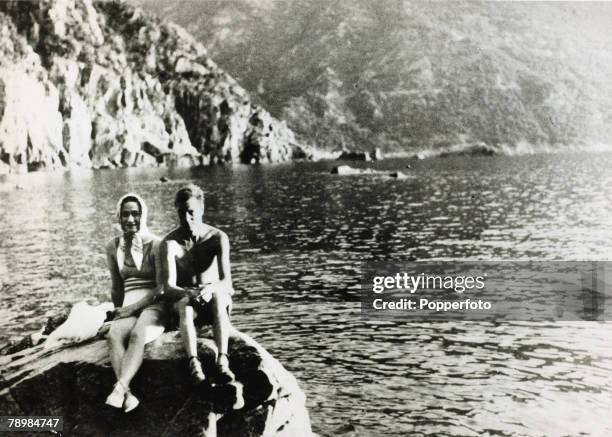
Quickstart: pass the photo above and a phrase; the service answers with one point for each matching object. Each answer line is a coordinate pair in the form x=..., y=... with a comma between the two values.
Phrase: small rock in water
x=398, y=175
x=164, y=179
x=344, y=170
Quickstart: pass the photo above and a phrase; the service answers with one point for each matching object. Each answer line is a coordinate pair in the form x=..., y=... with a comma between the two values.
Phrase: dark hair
x=130, y=199
x=187, y=192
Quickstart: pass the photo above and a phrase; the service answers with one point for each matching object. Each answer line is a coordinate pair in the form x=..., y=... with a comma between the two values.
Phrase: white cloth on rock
x=83, y=322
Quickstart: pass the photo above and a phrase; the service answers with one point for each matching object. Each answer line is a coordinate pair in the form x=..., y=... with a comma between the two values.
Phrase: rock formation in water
x=359, y=155
x=96, y=84
x=345, y=170
x=73, y=381
x=417, y=75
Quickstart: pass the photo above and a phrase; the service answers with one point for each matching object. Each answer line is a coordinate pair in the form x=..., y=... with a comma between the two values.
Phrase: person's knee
x=115, y=336
x=181, y=305
x=221, y=300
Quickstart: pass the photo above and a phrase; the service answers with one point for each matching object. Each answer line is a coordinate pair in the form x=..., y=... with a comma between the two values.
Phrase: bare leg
x=221, y=321
x=117, y=340
x=190, y=339
x=221, y=331
x=187, y=327
x=133, y=356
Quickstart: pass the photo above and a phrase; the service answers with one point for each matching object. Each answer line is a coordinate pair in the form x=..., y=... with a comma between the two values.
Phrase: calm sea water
x=298, y=236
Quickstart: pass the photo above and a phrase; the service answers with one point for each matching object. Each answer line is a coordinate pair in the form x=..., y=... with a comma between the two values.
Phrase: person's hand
x=206, y=292
x=122, y=313
x=201, y=293
x=110, y=315
x=192, y=292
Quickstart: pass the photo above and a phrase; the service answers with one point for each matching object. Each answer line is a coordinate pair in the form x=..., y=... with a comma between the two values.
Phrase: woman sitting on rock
x=139, y=315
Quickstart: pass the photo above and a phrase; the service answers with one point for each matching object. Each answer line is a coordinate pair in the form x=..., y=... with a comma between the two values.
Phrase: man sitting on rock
x=197, y=279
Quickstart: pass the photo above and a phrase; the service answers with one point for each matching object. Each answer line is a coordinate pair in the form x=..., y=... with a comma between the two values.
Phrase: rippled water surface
x=298, y=236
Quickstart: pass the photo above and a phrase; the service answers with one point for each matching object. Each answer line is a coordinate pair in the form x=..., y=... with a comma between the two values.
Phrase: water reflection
x=298, y=236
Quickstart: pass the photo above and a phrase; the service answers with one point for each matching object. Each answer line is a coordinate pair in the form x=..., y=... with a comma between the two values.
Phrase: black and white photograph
x=305, y=218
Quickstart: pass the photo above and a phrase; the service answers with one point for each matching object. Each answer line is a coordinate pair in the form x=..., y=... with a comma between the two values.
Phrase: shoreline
x=424, y=154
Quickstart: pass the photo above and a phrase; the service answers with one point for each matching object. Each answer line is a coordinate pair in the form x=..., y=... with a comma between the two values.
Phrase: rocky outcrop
x=73, y=381
x=478, y=149
x=358, y=155
x=98, y=85
x=36, y=338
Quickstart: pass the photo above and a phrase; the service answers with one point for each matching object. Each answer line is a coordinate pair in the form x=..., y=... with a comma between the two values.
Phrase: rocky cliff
x=73, y=381
x=96, y=84
x=413, y=74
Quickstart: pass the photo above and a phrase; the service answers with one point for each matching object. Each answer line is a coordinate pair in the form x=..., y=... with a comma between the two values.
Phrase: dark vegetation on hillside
x=407, y=75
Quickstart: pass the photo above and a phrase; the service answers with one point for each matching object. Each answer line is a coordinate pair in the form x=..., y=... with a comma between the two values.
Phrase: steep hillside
x=100, y=85
x=415, y=74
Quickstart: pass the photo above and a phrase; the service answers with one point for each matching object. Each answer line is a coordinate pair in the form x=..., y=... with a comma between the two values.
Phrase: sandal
x=195, y=367
x=224, y=374
x=117, y=396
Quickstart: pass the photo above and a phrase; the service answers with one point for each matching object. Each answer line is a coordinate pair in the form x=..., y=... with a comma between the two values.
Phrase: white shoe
x=117, y=396
x=130, y=402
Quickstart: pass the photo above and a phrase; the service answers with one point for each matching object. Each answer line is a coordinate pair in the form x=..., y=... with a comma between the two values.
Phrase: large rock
x=96, y=84
x=73, y=381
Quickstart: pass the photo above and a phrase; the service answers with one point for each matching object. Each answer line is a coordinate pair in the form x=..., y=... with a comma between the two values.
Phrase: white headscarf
x=139, y=239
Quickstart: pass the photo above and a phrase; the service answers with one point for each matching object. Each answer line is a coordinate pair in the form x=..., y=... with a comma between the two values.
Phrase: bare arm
x=168, y=272
x=159, y=276
x=117, y=292
x=224, y=285
x=132, y=309
x=223, y=264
